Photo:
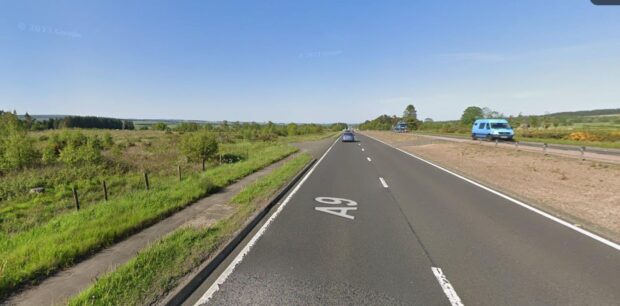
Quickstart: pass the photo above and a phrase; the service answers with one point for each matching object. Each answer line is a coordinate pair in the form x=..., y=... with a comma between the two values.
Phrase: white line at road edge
x=231, y=267
x=531, y=208
x=368, y=158
x=455, y=300
x=383, y=182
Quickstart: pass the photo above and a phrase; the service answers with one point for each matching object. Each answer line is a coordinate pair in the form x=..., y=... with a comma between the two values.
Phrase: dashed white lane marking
x=231, y=267
x=527, y=206
x=385, y=185
x=363, y=150
x=368, y=158
x=448, y=290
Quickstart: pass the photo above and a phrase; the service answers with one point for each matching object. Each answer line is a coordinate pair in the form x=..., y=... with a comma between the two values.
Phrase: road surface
x=405, y=232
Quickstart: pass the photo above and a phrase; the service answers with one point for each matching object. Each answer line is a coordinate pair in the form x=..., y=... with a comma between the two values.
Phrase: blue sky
x=306, y=61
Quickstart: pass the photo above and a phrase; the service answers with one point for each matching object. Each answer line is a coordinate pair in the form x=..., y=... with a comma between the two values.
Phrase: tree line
x=84, y=122
x=472, y=113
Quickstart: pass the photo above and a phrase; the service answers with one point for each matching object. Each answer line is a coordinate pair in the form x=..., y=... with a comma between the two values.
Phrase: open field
x=42, y=232
x=64, y=239
x=584, y=192
x=156, y=270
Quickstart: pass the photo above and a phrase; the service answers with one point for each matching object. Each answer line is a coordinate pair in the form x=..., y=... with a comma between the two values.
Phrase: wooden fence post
x=179, y=171
x=146, y=181
x=75, y=198
x=105, y=191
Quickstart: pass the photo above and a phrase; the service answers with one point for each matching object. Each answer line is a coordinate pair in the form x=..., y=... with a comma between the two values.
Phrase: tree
x=160, y=126
x=16, y=147
x=410, y=112
x=28, y=121
x=291, y=129
x=410, y=116
x=489, y=113
x=471, y=114
x=199, y=146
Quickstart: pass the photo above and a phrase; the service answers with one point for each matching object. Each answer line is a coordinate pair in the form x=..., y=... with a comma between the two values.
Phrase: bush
x=199, y=146
x=73, y=155
x=16, y=148
x=160, y=126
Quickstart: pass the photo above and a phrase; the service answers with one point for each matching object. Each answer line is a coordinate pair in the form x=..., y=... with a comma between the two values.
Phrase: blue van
x=400, y=127
x=492, y=129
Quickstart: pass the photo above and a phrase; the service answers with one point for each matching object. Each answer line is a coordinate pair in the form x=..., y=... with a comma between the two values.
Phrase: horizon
x=307, y=61
x=283, y=122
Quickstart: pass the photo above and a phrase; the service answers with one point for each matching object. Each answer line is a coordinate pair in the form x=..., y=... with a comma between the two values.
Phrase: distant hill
x=595, y=112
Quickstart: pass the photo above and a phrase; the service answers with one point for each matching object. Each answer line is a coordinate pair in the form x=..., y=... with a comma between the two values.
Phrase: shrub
x=199, y=146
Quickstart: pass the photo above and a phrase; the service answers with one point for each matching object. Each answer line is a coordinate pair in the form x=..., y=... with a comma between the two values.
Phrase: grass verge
x=593, y=144
x=34, y=254
x=159, y=268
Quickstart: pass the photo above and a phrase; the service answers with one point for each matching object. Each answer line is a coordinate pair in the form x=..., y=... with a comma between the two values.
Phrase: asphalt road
x=414, y=235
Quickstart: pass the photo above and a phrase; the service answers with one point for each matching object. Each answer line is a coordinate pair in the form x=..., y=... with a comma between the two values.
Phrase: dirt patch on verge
x=584, y=192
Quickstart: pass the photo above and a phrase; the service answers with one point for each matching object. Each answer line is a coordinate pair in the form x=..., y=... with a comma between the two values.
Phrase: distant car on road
x=400, y=127
x=348, y=136
x=492, y=129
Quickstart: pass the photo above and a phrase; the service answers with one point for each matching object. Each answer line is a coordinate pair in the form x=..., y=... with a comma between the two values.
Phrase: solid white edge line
x=246, y=249
x=448, y=290
x=368, y=158
x=385, y=185
x=527, y=206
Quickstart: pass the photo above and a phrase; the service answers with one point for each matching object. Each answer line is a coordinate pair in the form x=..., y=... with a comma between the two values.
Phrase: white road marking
x=385, y=185
x=231, y=267
x=368, y=158
x=448, y=290
x=363, y=150
x=337, y=211
x=527, y=206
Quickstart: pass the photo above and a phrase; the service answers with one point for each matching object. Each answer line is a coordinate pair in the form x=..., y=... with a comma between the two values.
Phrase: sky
x=307, y=61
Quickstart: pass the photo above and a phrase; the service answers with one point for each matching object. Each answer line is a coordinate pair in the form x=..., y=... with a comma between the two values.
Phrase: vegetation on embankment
x=158, y=269
x=598, y=128
x=65, y=239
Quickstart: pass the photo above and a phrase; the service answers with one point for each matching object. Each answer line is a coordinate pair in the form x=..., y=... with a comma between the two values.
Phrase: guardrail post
x=583, y=152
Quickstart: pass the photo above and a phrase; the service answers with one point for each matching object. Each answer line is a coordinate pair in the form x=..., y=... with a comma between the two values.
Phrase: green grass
x=269, y=184
x=308, y=137
x=158, y=269
x=42, y=250
x=599, y=144
x=26, y=211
